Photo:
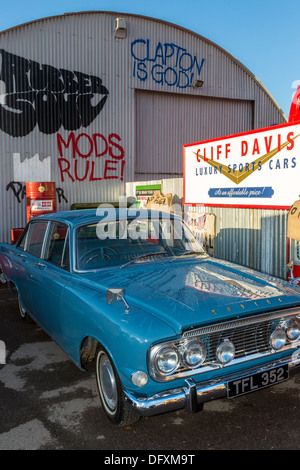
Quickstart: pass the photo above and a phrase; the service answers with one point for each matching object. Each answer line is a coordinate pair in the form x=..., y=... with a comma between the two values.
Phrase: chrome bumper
x=193, y=395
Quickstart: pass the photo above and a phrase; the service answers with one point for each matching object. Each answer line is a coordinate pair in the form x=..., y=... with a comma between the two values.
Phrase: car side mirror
x=114, y=295
x=289, y=266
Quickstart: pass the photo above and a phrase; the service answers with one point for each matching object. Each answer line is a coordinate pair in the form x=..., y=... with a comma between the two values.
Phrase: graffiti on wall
x=95, y=157
x=31, y=91
x=54, y=100
x=19, y=191
x=165, y=64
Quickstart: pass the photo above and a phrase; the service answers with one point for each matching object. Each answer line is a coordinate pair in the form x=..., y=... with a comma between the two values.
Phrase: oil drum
x=41, y=198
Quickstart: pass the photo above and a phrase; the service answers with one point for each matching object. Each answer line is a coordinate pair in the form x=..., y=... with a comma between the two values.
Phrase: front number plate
x=244, y=385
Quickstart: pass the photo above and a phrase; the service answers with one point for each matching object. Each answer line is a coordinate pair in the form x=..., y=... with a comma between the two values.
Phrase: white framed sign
x=41, y=205
x=256, y=169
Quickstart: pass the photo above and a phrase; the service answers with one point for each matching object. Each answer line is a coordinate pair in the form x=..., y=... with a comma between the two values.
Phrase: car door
x=27, y=253
x=49, y=276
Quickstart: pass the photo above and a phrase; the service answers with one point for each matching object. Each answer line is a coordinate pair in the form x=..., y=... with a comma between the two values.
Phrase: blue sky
x=263, y=34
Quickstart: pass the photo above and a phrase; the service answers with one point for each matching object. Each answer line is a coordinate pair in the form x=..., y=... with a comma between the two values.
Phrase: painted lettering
x=19, y=191
x=84, y=145
x=42, y=95
x=80, y=157
x=164, y=64
x=290, y=140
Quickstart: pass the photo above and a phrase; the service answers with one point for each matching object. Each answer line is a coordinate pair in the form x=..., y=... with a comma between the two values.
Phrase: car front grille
x=250, y=336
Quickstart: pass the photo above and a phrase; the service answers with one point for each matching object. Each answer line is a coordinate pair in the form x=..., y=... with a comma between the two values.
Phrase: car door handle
x=21, y=255
x=40, y=265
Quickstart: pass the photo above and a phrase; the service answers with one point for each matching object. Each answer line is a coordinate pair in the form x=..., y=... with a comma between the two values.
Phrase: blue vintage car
x=167, y=326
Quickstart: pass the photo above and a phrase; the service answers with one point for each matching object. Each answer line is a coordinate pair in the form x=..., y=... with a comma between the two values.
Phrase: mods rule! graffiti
x=92, y=158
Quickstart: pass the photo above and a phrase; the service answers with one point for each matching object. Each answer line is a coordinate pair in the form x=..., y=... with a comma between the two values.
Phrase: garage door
x=165, y=122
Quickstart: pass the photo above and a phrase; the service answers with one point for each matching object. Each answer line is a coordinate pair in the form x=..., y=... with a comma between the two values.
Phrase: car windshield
x=121, y=242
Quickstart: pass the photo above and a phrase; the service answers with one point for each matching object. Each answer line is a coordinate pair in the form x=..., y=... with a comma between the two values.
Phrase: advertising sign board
x=256, y=169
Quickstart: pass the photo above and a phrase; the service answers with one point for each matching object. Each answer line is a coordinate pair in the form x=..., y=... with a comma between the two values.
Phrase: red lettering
x=244, y=148
x=290, y=140
x=61, y=141
x=92, y=177
x=109, y=168
x=121, y=153
x=95, y=139
x=122, y=170
x=219, y=151
x=199, y=157
x=268, y=143
x=90, y=143
x=64, y=170
x=227, y=150
x=87, y=166
x=279, y=142
x=86, y=146
x=255, y=147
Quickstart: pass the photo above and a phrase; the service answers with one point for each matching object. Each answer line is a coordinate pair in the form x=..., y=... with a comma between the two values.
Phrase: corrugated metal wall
x=83, y=43
x=255, y=238
x=151, y=110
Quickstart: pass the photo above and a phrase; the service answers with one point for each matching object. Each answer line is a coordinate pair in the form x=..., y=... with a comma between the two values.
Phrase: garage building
x=95, y=100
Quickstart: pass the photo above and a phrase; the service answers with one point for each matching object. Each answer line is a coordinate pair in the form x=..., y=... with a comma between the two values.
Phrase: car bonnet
x=191, y=292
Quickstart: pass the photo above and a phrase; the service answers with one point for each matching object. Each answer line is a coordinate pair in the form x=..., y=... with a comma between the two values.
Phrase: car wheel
x=22, y=310
x=111, y=391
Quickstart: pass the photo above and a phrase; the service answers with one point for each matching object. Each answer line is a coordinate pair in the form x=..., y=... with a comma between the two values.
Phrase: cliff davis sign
x=258, y=169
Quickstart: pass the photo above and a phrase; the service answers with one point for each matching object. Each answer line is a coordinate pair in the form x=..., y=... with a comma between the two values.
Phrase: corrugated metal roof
x=164, y=24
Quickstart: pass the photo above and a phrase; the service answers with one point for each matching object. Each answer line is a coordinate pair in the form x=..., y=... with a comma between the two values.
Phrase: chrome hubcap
x=107, y=382
x=21, y=308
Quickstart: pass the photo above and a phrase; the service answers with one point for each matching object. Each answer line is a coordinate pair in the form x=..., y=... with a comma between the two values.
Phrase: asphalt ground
x=47, y=403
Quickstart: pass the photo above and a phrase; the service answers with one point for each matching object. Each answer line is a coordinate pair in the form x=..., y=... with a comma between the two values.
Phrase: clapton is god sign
x=259, y=169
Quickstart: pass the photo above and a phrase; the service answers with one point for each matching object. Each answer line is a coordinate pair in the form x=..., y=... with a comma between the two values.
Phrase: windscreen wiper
x=143, y=256
x=188, y=252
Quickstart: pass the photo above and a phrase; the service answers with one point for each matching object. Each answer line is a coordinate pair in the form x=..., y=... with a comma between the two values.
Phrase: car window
x=21, y=243
x=57, y=250
x=115, y=243
x=36, y=234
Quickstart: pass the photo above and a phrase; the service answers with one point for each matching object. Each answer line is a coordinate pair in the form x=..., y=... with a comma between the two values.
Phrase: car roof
x=85, y=216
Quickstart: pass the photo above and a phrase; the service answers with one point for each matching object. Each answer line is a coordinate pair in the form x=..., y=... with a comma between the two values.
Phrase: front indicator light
x=139, y=378
x=194, y=354
x=278, y=339
x=293, y=330
x=225, y=351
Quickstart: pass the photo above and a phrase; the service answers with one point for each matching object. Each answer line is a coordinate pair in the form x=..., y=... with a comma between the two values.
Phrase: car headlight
x=194, y=354
x=293, y=329
x=167, y=359
x=278, y=339
x=225, y=351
